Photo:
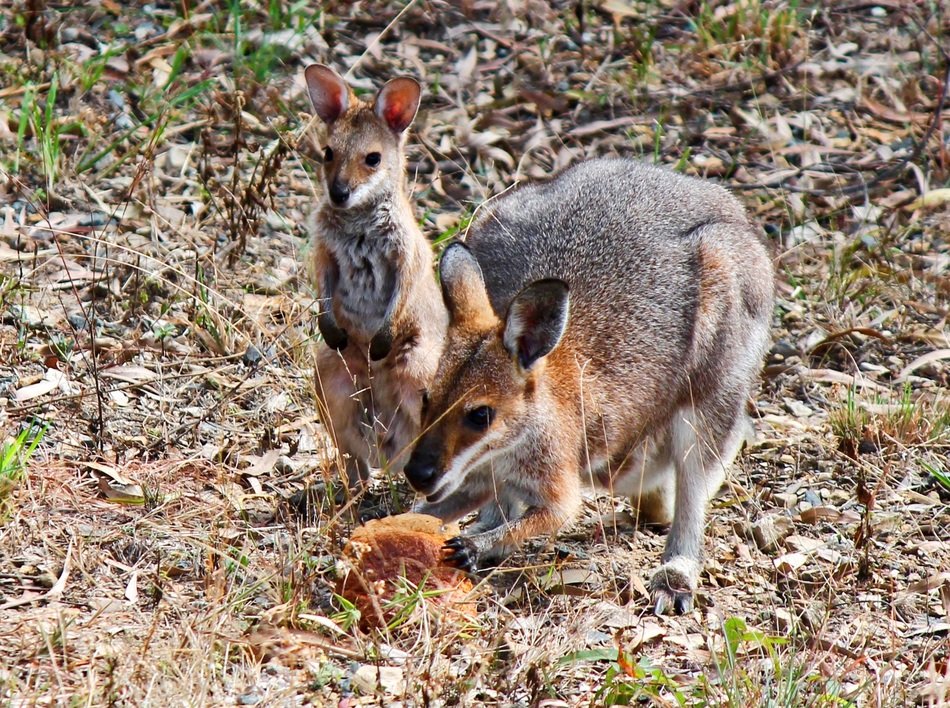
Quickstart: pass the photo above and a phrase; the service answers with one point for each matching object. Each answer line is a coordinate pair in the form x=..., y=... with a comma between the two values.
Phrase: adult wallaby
x=606, y=327
x=382, y=319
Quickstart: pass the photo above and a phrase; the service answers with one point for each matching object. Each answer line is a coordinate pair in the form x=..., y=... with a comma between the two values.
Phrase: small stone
x=369, y=678
x=77, y=321
x=784, y=349
x=27, y=315
x=252, y=356
x=768, y=531
x=785, y=500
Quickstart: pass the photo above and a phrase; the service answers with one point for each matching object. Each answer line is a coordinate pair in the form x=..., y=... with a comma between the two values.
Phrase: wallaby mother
x=382, y=320
x=606, y=327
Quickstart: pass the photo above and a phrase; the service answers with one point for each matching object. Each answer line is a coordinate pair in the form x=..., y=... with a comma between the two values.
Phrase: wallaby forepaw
x=673, y=585
x=461, y=553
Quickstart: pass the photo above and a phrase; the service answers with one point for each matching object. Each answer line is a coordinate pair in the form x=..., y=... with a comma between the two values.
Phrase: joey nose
x=339, y=192
x=421, y=470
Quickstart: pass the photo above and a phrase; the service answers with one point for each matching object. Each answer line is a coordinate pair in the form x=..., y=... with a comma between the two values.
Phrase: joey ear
x=463, y=288
x=398, y=101
x=329, y=93
x=536, y=320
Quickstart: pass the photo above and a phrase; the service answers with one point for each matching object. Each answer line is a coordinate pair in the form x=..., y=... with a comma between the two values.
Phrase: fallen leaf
x=804, y=544
x=920, y=361
x=121, y=493
x=52, y=379
x=129, y=373
x=261, y=464
x=370, y=678
x=790, y=562
x=132, y=589
x=929, y=583
x=827, y=514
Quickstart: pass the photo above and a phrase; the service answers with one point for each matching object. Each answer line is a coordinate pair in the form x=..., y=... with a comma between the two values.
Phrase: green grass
x=940, y=474
x=14, y=456
x=453, y=231
x=752, y=33
x=348, y=616
x=752, y=668
x=891, y=421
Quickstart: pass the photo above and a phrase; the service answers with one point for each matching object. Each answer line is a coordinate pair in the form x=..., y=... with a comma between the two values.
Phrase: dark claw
x=381, y=345
x=461, y=553
x=681, y=602
x=334, y=336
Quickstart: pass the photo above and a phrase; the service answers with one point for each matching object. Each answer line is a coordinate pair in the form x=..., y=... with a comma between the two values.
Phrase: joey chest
x=367, y=269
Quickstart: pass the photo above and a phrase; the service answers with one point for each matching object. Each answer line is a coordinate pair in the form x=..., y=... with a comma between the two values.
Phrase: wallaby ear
x=329, y=93
x=536, y=320
x=398, y=101
x=463, y=288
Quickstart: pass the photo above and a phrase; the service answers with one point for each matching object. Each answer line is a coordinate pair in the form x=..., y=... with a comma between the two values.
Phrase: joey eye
x=327, y=155
x=480, y=418
x=373, y=159
x=425, y=401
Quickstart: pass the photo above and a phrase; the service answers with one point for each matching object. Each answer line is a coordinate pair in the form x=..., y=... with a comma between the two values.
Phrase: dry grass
x=155, y=182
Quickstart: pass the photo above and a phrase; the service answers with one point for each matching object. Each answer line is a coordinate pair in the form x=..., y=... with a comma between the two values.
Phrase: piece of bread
x=386, y=556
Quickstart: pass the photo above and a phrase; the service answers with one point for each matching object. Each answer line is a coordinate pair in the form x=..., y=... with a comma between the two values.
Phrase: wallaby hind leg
x=399, y=382
x=346, y=410
x=702, y=448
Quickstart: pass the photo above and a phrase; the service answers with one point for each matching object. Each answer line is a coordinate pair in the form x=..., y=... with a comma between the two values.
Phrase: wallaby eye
x=327, y=155
x=480, y=418
x=373, y=159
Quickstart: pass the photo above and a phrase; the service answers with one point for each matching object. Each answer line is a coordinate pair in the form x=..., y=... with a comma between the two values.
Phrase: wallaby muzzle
x=421, y=469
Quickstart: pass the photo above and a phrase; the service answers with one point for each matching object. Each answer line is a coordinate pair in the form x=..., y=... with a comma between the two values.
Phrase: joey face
x=362, y=158
x=482, y=404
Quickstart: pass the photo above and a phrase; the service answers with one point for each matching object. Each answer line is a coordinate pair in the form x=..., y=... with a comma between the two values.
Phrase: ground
x=157, y=326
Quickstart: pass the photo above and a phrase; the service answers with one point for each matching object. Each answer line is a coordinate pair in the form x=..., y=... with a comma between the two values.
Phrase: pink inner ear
x=336, y=99
x=328, y=93
x=397, y=103
x=394, y=113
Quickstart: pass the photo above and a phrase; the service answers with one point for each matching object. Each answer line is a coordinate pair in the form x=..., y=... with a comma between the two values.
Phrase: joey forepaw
x=381, y=344
x=335, y=337
x=461, y=553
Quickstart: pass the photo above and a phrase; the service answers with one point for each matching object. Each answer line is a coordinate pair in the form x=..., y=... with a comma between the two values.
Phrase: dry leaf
x=52, y=380
x=369, y=679
x=790, y=562
x=123, y=493
x=132, y=589
x=129, y=373
x=920, y=361
x=262, y=464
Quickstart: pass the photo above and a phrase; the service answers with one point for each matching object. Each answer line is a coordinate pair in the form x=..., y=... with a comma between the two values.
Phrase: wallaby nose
x=421, y=469
x=339, y=192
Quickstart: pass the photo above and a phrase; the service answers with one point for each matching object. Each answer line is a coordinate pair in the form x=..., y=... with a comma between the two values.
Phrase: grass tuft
x=14, y=456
